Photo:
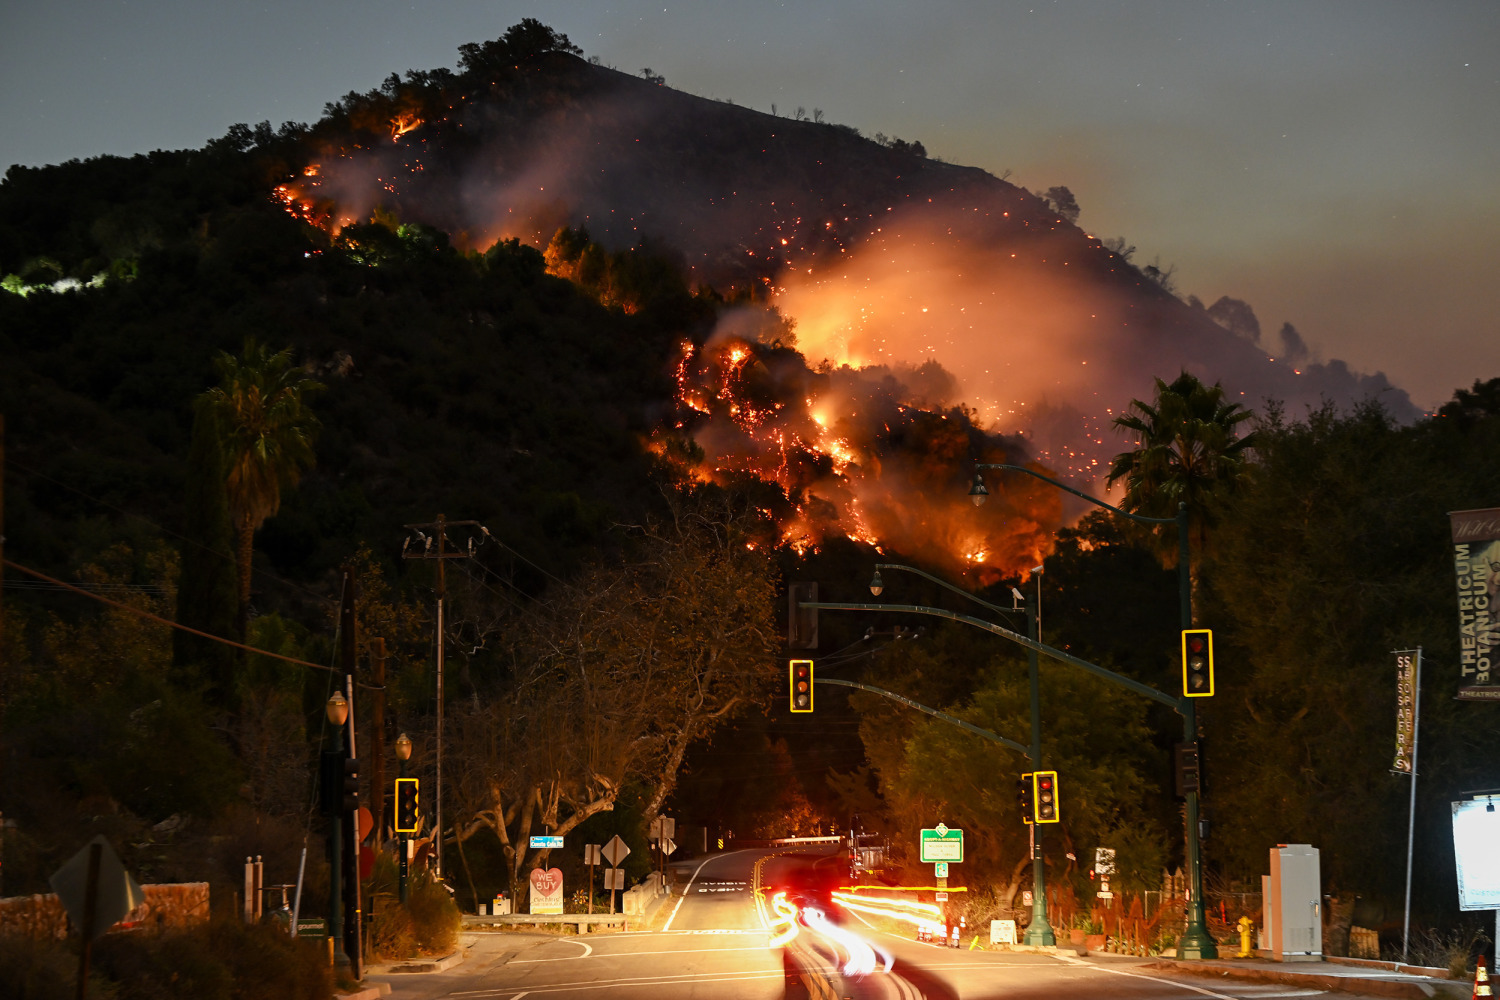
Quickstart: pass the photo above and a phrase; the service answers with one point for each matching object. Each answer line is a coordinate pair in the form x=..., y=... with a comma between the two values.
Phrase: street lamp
x=1196, y=942
x=338, y=713
x=403, y=754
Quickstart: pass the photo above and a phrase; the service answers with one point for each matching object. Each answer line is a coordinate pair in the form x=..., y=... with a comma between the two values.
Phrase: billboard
x=1476, y=831
x=1476, y=565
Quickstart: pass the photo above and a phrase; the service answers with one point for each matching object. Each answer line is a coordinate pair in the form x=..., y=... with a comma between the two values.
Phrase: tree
x=266, y=441
x=1062, y=201
x=1187, y=451
x=612, y=678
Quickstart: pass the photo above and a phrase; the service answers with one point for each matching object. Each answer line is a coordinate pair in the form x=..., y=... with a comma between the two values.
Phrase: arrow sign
x=615, y=850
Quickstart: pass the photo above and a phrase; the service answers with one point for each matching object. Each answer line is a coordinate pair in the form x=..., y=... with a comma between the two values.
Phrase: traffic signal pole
x=1039, y=931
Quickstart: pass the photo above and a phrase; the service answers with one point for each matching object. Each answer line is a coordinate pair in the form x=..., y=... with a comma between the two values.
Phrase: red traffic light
x=801, y=685
x=1197, y=663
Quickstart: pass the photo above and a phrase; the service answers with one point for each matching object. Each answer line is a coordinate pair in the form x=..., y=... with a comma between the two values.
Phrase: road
x=715, y=945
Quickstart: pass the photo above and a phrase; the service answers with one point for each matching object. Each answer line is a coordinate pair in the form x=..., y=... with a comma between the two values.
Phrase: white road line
x=1154, y=979
x=686, y=889
x=588, y=950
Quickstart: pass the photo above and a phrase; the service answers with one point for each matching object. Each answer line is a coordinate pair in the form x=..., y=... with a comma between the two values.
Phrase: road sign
x=663, y=826
x=615, y=850
x=668, y=845
x=546, y=843
x=942, y=897
x=115, y=892
x=614, y=878
x=591, y=855
x=942, y=844
x=940, y=869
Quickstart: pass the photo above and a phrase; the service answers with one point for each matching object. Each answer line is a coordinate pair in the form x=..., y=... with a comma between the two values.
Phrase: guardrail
x=583, y=921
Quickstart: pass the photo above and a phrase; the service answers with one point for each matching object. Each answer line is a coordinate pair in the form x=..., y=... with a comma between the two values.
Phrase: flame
x=404, y=123
x=850, y=454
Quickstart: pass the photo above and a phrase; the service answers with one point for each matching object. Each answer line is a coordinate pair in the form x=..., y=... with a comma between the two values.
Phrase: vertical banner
x=1406, y=708
x=1476, y=564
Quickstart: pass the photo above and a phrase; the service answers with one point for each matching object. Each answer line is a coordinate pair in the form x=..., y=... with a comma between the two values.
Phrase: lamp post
x=338, y=713
x=1196, y=942
x=403, y=754
x=1039, y=932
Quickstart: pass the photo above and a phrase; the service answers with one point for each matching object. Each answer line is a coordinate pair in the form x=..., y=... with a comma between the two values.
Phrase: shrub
x=434, y=916
x=35, y=970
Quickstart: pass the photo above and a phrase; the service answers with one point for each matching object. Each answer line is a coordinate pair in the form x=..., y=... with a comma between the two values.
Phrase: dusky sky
x=1332, y=163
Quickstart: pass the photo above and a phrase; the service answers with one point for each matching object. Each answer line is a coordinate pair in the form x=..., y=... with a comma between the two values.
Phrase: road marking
x=1154, y=979
x=594, y=984
x=688, y=888
x=588, y=950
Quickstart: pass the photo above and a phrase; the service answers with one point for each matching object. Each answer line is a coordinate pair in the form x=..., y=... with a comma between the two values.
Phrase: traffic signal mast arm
x=996, y=737
x=1000, y=630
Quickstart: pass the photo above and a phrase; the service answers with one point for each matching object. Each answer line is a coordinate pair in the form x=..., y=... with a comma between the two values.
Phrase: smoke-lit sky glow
x=1333, y=164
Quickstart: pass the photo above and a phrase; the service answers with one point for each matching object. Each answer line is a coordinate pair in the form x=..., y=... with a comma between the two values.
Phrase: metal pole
x=441, y=594
x=297, y=899
x=1411, y=813
x=1039, y=931
x=336, y=862
x=401, y=841
x=1196, y=942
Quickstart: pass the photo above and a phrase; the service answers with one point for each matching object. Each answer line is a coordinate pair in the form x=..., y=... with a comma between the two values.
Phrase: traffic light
x=801, y=623
x=350, y=800
x=1197, y=663
x=1044, y=794
x=1024, y=799
x=800, y=677
x=1189, y=776
x=406, y=805
x=330, y=777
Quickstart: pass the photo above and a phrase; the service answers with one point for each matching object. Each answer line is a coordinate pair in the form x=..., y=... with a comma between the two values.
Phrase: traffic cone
x=1481, y=980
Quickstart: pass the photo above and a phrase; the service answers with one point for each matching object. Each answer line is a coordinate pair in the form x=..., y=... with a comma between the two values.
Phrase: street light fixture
x=1196, y=942
x=876, y=584
x=338, y=713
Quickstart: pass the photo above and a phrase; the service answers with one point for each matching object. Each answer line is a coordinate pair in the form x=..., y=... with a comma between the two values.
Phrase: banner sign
x=1406, y=708
x=1476, y=564
x=546, y=890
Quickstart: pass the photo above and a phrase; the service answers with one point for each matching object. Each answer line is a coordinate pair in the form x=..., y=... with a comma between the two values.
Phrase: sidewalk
x=1367, y=979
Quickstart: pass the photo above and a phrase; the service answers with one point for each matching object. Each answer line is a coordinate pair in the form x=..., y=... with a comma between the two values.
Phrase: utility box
x=1293, y=900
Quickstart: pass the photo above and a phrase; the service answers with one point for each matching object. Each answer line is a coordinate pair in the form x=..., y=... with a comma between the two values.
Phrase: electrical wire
x=140, y=612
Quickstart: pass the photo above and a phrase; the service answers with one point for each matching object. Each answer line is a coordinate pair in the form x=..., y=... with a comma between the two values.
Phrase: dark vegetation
x=517, y=390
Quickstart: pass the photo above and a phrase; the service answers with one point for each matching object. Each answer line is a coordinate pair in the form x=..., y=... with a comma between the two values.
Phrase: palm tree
x=266, y=437
x=1187, y=451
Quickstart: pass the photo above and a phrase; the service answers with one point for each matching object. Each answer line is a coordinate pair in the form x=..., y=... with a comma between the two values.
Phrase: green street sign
x=315, y=927
x=942, y=844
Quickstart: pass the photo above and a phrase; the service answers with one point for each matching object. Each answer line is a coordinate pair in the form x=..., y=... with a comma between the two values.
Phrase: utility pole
x=439, y=535
x=348, y=653
x=377, y=738
x=4, y=673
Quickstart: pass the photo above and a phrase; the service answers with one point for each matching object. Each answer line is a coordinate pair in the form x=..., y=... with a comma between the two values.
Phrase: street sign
x=312, y=927
x=591, y=855
x=668, y=845
x=1104, y=861
x=940, y=869
x=115, y=892
x=615, y=850
x=546, y=843
x=942, y=844
x=614, y=878
x=942, y=897
x=663, y=826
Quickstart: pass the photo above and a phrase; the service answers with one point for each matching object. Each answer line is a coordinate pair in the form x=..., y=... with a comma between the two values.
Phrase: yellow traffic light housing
x=1197, y=663
x=1044, y=797
x=800, y=677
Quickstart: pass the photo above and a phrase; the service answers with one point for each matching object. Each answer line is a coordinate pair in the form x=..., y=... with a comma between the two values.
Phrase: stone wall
x=175, y=905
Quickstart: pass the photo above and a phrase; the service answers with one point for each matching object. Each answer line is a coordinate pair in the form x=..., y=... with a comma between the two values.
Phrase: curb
x=1401, y=989
x=415, y=967
x=372, y=992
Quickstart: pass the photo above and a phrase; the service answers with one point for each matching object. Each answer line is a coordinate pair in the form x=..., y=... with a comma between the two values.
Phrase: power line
x=159, y=619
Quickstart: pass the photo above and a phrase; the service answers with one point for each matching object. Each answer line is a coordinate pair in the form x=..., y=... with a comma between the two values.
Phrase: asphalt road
x=715, y=943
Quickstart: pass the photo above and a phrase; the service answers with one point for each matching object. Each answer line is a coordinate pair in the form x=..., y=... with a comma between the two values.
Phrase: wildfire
x=404, y=123
x=850, y=456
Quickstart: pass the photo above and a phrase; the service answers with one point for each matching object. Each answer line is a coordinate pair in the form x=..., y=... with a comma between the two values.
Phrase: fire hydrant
x=1245, y=925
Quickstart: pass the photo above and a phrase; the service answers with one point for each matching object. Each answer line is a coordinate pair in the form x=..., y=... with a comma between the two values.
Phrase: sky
x=1334, y=164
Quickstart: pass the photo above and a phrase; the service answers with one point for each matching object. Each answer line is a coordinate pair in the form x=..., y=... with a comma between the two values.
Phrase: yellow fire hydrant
x=1246, y=925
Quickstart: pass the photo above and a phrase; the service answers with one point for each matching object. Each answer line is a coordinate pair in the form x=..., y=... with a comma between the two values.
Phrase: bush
x=225, y=959
x=434, y=916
